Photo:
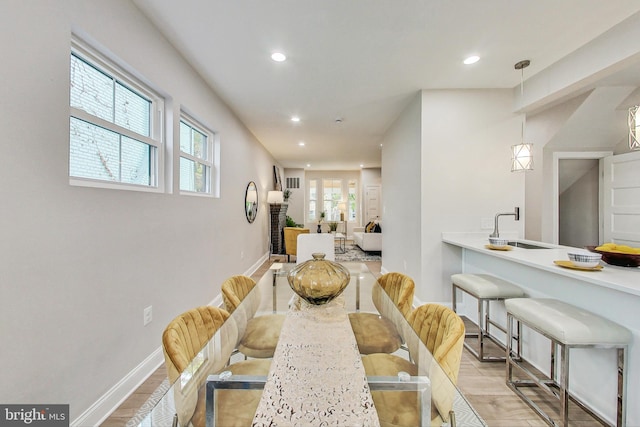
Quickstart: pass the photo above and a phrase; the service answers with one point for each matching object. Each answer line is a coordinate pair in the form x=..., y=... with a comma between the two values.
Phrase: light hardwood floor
x=483, y=384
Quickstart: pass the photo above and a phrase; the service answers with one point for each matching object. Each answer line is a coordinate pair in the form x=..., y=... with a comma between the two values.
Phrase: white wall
x=446, y=166
x=401, y=199
x=371, y=176
x=79, y=265
x=466, y=174
x=297, y=204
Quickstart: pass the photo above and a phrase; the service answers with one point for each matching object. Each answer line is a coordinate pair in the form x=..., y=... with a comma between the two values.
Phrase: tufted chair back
x=442, y=331
x=400, y=289
x=185, y=336
x=188, y=335
x=235, y=289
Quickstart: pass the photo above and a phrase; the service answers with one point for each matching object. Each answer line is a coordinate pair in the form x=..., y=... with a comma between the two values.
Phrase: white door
x=372, y=204
x=622, y=199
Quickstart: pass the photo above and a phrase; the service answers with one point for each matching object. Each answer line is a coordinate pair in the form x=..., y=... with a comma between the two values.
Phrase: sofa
x=368, y=242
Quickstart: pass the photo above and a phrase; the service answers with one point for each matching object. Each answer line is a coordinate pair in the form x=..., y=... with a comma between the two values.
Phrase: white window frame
x=350, y=211
x=212, y=160
x=341, y=184
x=344, y=187
x=112, y=68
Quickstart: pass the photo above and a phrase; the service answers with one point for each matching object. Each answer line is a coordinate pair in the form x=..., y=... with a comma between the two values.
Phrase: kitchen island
x=613, y=292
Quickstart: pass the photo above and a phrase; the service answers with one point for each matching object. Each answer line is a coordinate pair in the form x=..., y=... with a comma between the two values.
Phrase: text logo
x=34, y=415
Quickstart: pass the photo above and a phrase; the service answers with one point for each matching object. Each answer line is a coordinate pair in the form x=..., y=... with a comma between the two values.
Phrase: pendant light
x=634, y=128
x=522, y=154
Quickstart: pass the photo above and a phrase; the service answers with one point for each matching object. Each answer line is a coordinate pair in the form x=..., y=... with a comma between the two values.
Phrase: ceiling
x=362, y=61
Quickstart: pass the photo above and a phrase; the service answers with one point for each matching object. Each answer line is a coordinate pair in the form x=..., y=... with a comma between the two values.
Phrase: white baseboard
x=112, y=399
x=257, y=265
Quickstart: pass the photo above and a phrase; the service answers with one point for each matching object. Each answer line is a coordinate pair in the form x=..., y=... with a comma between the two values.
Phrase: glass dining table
x=316, y=344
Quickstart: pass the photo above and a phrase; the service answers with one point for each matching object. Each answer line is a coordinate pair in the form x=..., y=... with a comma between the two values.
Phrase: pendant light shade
x=634, y=128
x=522, y=154
x=522, y=157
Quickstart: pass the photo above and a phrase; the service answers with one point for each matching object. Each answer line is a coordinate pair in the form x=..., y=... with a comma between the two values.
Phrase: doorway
x=578, y=198
x=578, y=202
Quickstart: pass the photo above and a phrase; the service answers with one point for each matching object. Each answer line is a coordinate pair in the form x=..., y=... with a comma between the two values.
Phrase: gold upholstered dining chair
x=375, y=333
x=261, y=335
x=442, y=332
x=291, y=240
x=186, y=336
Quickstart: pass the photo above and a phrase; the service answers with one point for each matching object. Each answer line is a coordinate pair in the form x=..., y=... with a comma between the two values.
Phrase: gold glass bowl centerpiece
x=318, y=280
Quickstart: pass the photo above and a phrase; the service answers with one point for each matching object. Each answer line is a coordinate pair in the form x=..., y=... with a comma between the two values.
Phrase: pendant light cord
x=524, y=116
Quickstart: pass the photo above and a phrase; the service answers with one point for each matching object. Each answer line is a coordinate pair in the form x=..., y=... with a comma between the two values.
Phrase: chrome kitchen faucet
x=495, y=229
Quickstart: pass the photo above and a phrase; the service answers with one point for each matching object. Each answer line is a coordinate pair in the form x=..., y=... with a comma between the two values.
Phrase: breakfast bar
x=612, y=292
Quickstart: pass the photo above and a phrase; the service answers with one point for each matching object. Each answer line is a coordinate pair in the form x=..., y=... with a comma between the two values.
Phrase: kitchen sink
x=526, y=245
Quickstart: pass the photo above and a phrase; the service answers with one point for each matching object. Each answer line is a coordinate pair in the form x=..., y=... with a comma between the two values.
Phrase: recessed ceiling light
x=471, y=60
x=308, y=165
x=361, y=165
x=295, y=119
x=278, y=56
x=301, y=143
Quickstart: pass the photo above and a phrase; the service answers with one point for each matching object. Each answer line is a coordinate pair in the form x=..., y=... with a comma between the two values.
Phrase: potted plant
x=333, y=226
x=291, y=222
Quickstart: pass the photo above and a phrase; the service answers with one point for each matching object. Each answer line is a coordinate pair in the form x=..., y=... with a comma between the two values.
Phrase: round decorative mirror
x=251, y=202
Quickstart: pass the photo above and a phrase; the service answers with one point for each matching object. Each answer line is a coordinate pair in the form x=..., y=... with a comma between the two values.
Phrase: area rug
x=354, y=253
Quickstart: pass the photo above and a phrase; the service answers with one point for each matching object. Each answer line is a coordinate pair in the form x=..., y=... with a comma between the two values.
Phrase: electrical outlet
x=148, y=315
x=241, y=254
x=486, y=224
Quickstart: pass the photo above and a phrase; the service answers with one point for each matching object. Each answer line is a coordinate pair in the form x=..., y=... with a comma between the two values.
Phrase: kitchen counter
x=623, y=279
x=613, y=292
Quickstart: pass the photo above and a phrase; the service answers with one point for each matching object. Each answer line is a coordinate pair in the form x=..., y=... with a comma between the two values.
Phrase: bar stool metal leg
x=481, y=331
x=564, y=384
x=622, y=387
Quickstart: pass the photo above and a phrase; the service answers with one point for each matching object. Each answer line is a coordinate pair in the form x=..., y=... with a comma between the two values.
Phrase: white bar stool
x=484, y=288
x=567, y=327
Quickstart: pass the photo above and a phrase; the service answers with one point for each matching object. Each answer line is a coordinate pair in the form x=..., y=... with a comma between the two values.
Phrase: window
x=332, y=195
x=196, y=157
x=351, y=205
x=313, y=198
x=114, y=136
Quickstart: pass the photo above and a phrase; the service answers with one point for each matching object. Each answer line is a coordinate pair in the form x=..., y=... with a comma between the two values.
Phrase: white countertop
x=623, y=279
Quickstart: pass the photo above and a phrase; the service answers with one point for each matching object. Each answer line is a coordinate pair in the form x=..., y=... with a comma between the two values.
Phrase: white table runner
x=317, y=377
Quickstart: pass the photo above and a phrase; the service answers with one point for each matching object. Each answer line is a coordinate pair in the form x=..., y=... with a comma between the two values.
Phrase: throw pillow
x=369, y=227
